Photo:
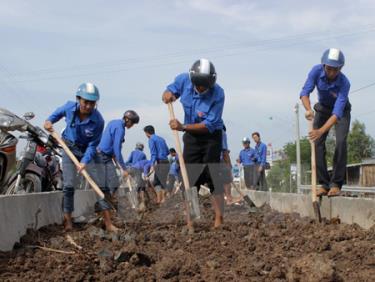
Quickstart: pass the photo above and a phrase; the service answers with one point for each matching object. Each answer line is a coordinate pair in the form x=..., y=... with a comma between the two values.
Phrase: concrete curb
x=20, y=212
x=359, y=211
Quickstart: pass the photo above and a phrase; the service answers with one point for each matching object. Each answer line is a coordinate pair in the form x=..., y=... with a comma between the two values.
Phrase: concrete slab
x=350, y=210
x=20, y=212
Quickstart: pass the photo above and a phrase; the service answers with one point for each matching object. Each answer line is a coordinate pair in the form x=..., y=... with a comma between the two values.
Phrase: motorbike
x=8, y=160
x=37, y=169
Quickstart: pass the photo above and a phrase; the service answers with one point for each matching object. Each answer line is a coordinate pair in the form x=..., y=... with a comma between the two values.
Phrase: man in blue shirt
x=84, y=127
x=174, y=170
x=248, y=158
x=159, y=158
x=203, y=103
x=135, y=171
x=109, y=149
x=226, y=170
x=261, y=155
x=136, y=155
x=333, y=109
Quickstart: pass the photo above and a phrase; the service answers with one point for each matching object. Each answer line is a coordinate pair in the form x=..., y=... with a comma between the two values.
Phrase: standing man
x=159, y=159
x=226, y=172
x=203, y=102
x=333, y=109
x=261, y=152
x=137, y=154
x=135, y=171
x=84, y=127
x=109, y=150
x=248, y=158
x=174, y=170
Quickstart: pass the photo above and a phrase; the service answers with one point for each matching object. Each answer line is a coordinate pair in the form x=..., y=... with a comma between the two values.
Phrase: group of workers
x=204, y=138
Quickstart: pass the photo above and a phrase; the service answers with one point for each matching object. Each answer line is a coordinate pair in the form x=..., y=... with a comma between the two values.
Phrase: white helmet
x=246, y=140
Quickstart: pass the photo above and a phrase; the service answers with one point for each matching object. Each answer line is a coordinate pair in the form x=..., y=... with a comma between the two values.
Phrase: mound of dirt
x=262, y=246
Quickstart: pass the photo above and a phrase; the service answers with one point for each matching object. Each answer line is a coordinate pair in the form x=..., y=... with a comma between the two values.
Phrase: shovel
x=191, y=193
x=131, y=194
x=246, y=198
x=314, y=198
x=84, y=172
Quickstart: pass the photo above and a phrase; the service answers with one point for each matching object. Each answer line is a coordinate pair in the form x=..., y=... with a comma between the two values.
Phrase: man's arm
x=117, y=146
x=153, y=151
x=54, y=117
x=307, y=88
x=226, y=158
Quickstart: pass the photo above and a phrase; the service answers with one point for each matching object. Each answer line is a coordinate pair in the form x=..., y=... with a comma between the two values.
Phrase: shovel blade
x=317, y=213
x=250, y=203
x=192, y=200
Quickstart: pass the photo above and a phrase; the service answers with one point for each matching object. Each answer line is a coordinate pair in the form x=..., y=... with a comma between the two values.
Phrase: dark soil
x=263, y=246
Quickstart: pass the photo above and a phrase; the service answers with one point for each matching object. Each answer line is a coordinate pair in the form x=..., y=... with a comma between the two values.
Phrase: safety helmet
x=139, y=146
x=333, y=57
x=246, y=140
x=202, y=73
x=88, y=91
x=132, y=116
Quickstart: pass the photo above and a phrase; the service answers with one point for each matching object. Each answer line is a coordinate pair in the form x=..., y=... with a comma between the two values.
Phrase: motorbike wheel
x=31, y=184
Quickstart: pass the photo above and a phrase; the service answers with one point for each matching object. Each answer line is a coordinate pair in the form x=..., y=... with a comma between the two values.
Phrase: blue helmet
x=333, y=57
x=88, y=91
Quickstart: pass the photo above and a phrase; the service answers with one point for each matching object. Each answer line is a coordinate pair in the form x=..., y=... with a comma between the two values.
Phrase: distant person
x=110, y=148
x=333, y=109
x=174, y=170
x=136, y=155
x=248, y=158
x=261, y=153
x=135, y=171
x=227, y=176
x=159, y=159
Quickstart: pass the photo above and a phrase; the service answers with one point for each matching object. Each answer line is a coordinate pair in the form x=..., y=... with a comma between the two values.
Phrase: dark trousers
x=249, y=176
x=260, y=182
x=322, y=114
x=161, y=173
x=202, y=158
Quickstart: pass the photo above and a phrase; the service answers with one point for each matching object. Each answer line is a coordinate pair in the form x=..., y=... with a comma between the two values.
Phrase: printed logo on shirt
x=89, y=132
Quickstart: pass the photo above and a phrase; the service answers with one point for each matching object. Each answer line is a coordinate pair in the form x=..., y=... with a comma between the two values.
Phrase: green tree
x=360, y=145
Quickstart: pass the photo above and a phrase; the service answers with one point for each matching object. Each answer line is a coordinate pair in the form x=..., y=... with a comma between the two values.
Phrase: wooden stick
x=84, y=172
x=72, y=242
x=51, y=250
x=185, y=177
x=313, y=166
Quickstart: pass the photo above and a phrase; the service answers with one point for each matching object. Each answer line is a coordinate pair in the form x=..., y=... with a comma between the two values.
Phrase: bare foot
x=111, y=228
x=68, y=223
x=218, y=222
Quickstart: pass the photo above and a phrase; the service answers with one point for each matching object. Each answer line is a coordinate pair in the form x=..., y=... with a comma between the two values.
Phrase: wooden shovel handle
x=185, y=177
x=76, y=162
x=313, y=166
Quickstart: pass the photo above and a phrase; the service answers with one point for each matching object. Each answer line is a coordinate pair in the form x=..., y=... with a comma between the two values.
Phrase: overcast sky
x=131, y=50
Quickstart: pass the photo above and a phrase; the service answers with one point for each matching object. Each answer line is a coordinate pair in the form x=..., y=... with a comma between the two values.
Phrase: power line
x=262, y=45
x=363, y=87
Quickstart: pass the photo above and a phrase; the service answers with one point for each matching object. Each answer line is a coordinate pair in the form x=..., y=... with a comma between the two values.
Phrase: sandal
x=334, y=192
x=321, y=192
